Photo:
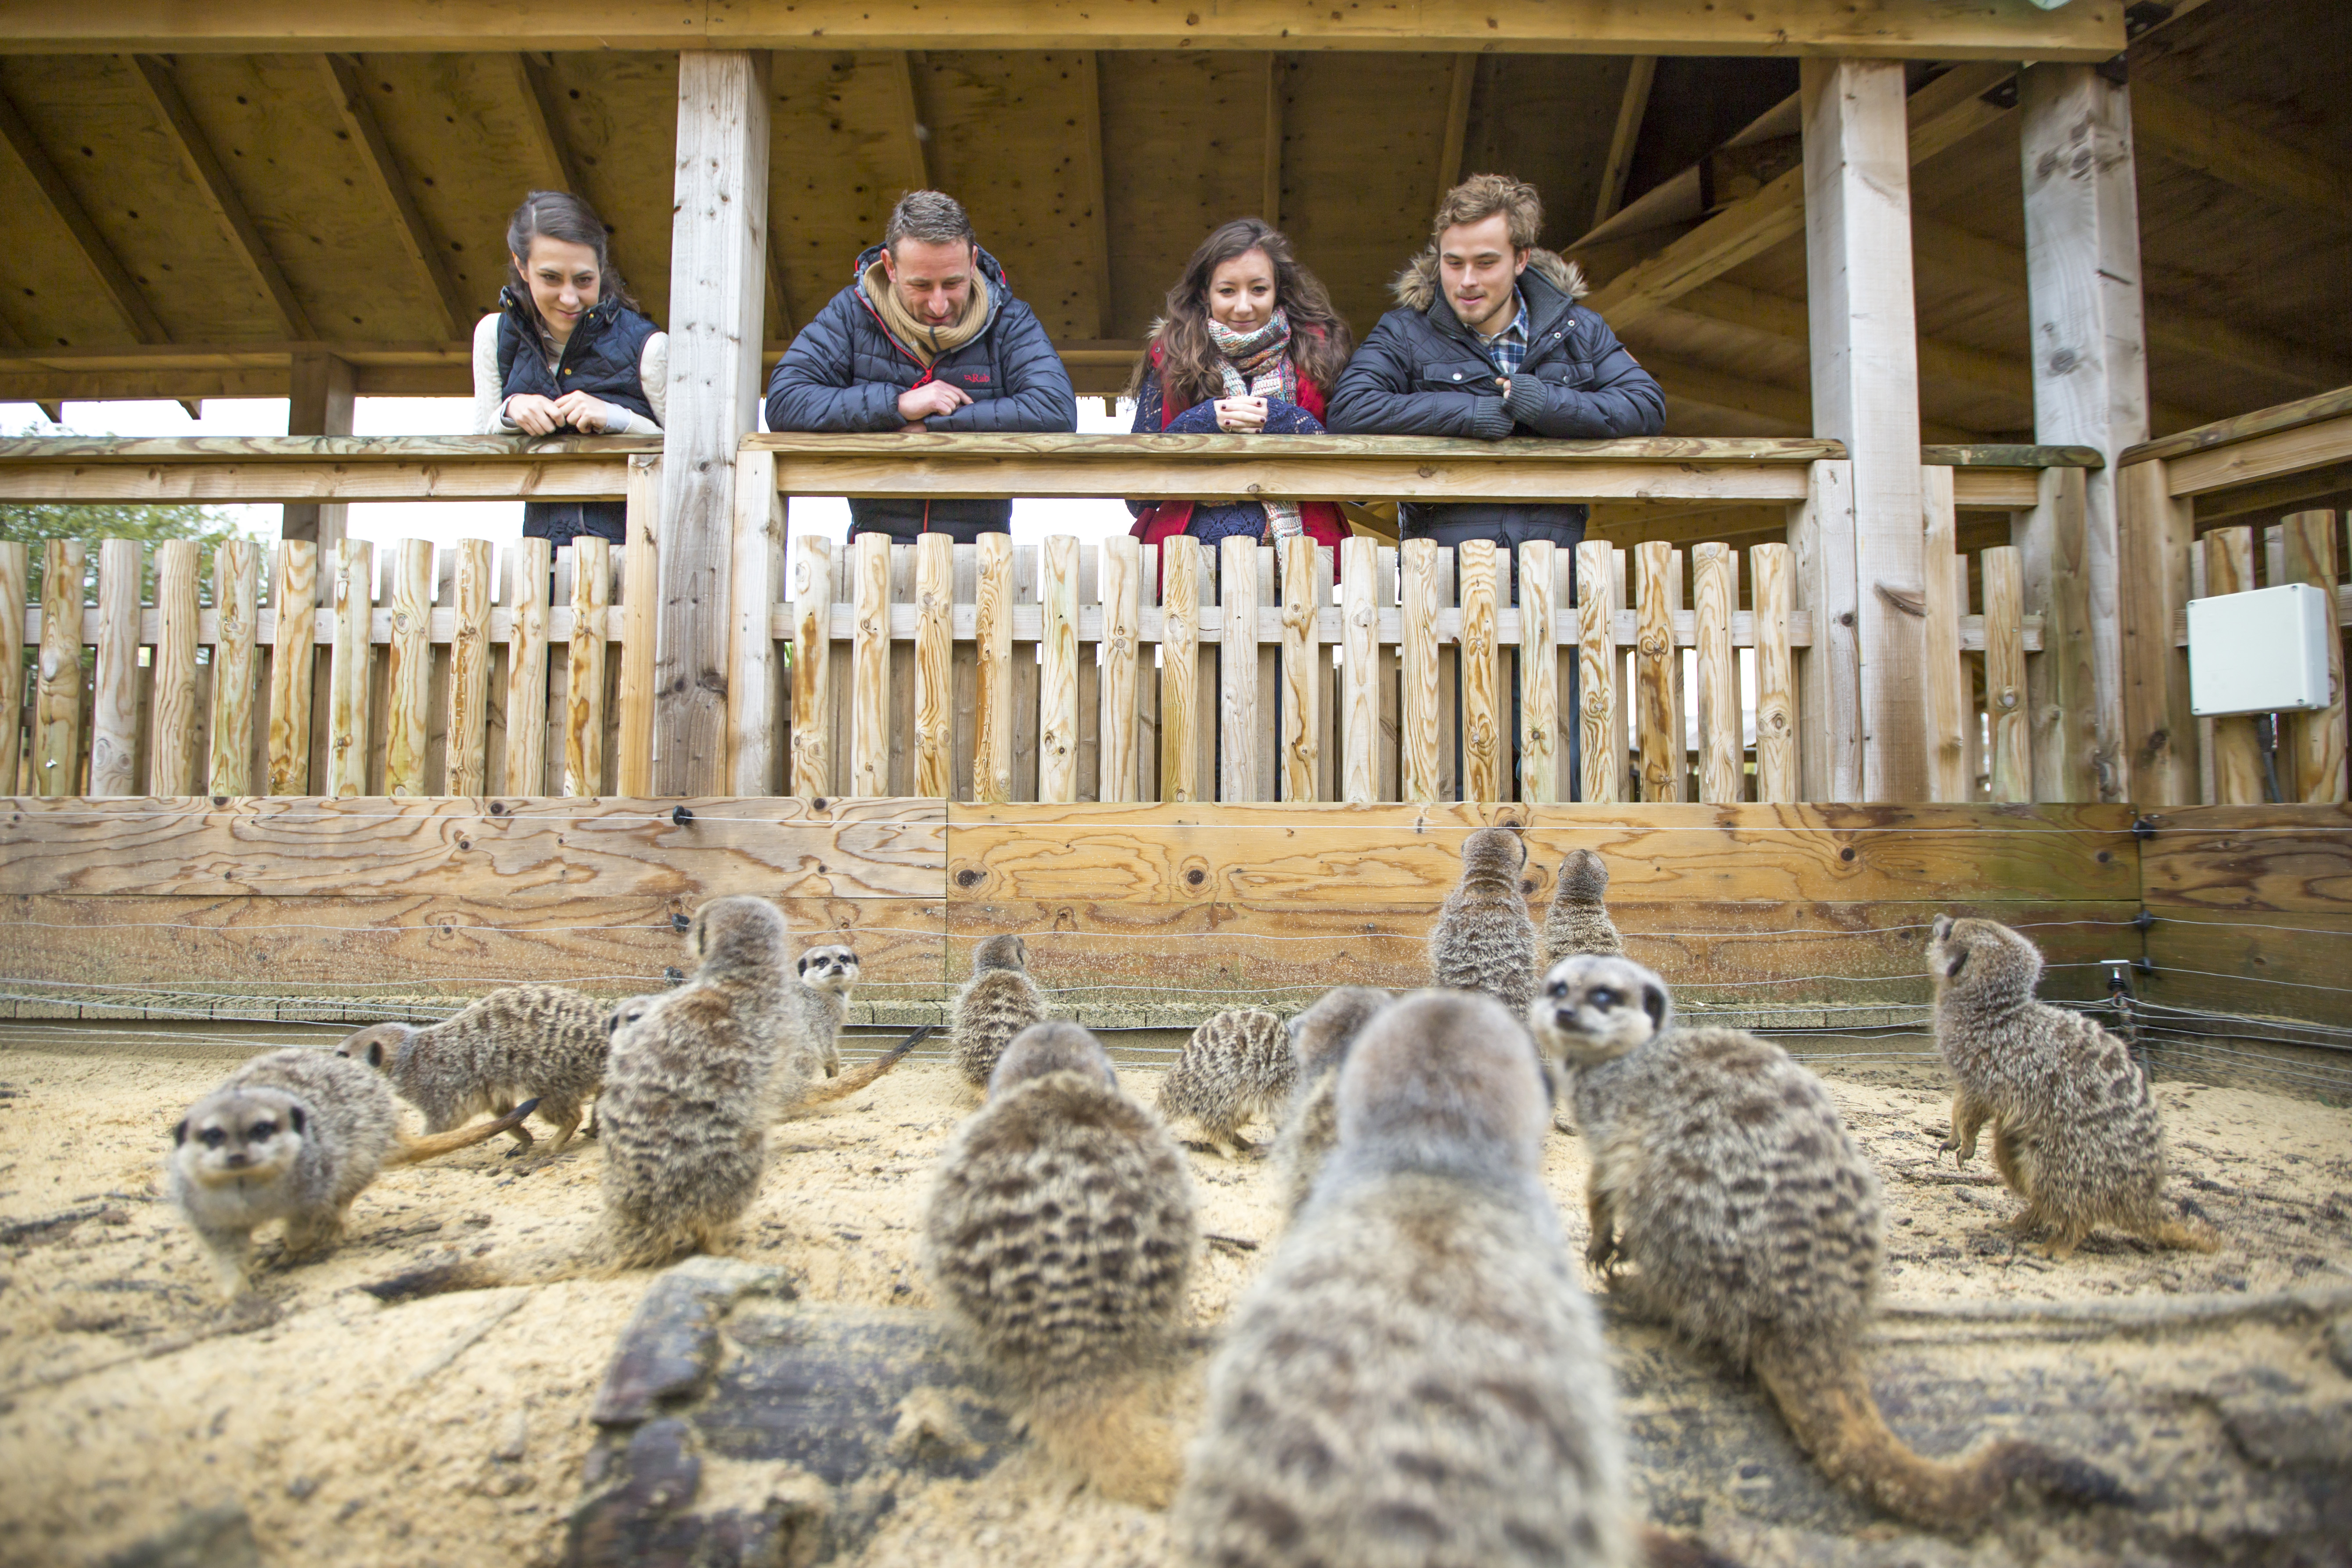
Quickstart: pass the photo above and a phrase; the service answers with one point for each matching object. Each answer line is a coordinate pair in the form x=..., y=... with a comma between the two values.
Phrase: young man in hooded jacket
x=927, y=337
x=1490, y=342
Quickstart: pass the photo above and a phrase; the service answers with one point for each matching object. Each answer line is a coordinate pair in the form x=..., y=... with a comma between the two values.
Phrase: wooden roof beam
x=1457, y=125
x=1270, y=198
x=914, y=133
x=161, y=85
x=542, y=117
x=2187, y=132
x=1095, y=186
x=1631, y=109
x=350, y=94
x=114, y=279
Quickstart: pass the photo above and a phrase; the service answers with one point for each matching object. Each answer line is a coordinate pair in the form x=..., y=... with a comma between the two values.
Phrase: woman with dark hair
x=1250, y=345
x=567, y=350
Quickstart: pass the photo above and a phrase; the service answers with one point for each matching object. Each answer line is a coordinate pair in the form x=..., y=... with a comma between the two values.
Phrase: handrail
x=319, y=467
x=2228, y=432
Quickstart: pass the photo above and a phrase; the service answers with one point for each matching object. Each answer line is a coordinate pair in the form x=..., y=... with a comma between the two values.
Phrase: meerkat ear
x=375, y=1053
x=1653, y=1003
x=802, y=967
x=180, y=1134
x=295, y=1118
x=1943, y=927
x=1956, y=964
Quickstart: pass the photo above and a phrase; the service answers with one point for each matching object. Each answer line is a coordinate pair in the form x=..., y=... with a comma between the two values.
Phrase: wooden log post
x=1303, y=663
x=934, y=665
x=347, y=668
x=718, y=261
x=1866, y=381
x=294, y=600
x=2314, y=741
x=2061, y=686
x=991, y=755
x=1237, y=685
x=469, y=668
x=640, y=629
x=756, y=585
x=1180, y=670
x=407, y=718
x=1829, y=711
x=2090, y=388
x=1778, y=773
x=1946, y=583
x=1714, y=595
x=319, y=400
x=14, y=560
x=172, y=751
x=1485, y=718
x=2237, y=745
x=1418, y=776
x=1539, y=726
x=114, y=692
x=813, y=715
x=236, y=583
x=1120, y=588
x=57, y=701
x=1359, y=698
x=584, y=678
x=1657, y=668
x=1601, y=754
x=869, y=669
x=2008, y=705
x=1057, y=688
x=534, y=559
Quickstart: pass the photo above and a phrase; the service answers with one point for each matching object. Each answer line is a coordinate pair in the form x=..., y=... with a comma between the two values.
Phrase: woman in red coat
x=1250, y=345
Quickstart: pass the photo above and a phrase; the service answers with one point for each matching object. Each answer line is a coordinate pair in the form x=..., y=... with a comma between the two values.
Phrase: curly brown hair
x=1320, y=340
x=1481, y=196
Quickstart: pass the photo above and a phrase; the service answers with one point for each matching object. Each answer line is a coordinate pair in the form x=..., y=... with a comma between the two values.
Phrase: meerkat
x=808, y=1046
x=1236, y=1066
x=686, y=1100
x=1060, y=1234
x=997, y=1003
x=2075, y=1132
x=1578, y=920
x=293, y=1135
x=1417, y=1378
x=1721, y=1171
x=1320, y=1038
x=543, y=1042
x=1484, y=940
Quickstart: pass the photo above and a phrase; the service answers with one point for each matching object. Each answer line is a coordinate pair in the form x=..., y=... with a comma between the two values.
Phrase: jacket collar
x=1551, y=285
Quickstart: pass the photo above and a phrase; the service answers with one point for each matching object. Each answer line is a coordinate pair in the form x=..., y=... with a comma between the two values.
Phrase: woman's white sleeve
x=653, y=374
x=490, y=396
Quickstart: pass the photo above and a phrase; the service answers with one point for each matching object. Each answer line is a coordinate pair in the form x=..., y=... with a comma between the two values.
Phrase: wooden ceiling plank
x=913, y=128
x=1270, y=204
x=1642, y=70
x=2180, y=129
x=543, y=122
x=1090, y=174
x=114, y=279
x=162, y=86
x=342, y=73
x=1457, y=124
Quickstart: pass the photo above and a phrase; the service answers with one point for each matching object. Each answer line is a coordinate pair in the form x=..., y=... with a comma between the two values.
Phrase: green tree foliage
x=92, y=522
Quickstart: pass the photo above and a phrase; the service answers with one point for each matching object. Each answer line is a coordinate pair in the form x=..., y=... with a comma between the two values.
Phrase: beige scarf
x=919, y=338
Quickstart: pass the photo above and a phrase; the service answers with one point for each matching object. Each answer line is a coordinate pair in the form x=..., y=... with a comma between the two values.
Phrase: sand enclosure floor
x=453, y=1429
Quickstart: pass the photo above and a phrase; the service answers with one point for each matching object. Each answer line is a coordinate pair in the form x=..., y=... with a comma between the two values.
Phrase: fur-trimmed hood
x=1417, y=288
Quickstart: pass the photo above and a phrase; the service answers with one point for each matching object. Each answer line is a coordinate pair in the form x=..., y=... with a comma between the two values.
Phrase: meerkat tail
x=1659, y=1550
x=431, y=1146
x=2184, y=1235
x=849, y=1083
x=1116, y=1433
x=1828, y=1405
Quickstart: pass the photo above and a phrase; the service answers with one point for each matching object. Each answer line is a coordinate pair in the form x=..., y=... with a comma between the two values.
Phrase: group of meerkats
x=1417, y=1376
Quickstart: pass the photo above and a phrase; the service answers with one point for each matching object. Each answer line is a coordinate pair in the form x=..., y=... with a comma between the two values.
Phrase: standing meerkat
x=1484, y=940
x=808, y=1047
x=1417, y=1378
x=997, y=1003
x=1578, y=920
x=542, y=1042
x=1320, y=1038
x=293, y=1135
x=2075, y=1132
x=1236, y=1066
x=687, y=1100
x=1721, y=1170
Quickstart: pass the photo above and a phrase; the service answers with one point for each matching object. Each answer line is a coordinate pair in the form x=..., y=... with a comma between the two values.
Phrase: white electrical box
x=2260, y=652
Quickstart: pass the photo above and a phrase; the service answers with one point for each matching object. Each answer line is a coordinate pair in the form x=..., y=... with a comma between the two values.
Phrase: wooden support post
x=294, y=599
x=1237, y=690
x=407, y=718
x=1599, y=706
x=1486, y=747
x=583, y=678
x=934, y=667
x=1779, y=774
x=319, y=403
x=1359, y=699
x=1270, y=172
x=1057, y=686
x=347, y=670
x=813, y=715
x=1658, y=665
x=1822, y=546
x=470, y=669
x=759, y=554
x=1865, y=383
x=1540, y=725
x=717, y=262
x=2090, y=388
x=535, y=560
x=1714, y=595
x=1418, y=775
x=1303, y=663
x=115, y=690
x=172, y=750
x=2061, y=692
x=992, y=756
x=2237, y=746
x=869, y=672
x=2007, y=704
x=56, y=710
x=1946, y=580
x=1180, y=668
x=2313, y=743
x=640, y=629
x=1120, y=586
x=14, y=559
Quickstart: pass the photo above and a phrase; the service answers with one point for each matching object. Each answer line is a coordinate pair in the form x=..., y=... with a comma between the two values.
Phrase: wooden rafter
x=341, y=74
x=114, y=279
x=162, y=86
x=2184, y=132
x=542, y=118
x=913, y=131
x=1270, y=200
x=1095, y=187
x=1457, y=124
x=1642, y=70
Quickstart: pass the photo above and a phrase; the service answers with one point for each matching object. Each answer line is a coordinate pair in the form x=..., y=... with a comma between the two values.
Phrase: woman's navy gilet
x=602, y=359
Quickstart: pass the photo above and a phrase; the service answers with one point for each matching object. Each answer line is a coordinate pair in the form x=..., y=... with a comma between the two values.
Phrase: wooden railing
x=2176, y=497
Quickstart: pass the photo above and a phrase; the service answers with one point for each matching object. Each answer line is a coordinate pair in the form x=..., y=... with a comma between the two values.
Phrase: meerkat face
x=830, y=969
x=1004, y=952
x=1055, y=1046
x=375, y=1044
x=1980, y=952
x=240, y=1136
x=1595, y=1009
x=626, y=1014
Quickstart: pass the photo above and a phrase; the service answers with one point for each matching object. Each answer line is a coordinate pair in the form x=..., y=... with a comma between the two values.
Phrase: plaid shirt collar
x=1509, y=346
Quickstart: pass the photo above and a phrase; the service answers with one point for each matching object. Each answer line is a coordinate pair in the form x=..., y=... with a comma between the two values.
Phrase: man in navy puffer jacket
x=927, y=336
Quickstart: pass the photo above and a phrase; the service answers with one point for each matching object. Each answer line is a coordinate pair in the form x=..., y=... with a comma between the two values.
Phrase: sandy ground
x=453, y=1429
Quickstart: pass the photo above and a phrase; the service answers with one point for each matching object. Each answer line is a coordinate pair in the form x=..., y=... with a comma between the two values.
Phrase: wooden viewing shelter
x=1972, y=318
